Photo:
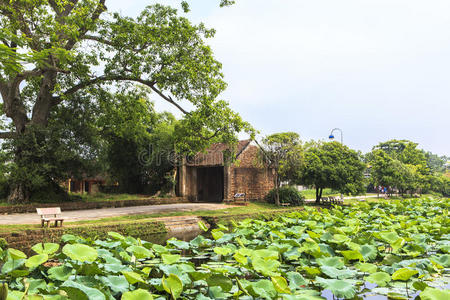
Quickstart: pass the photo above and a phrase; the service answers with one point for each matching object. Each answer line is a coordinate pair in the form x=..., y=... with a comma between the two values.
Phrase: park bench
x=50, y=214
x=325, y=200
x=240, y=199
x=335, y=200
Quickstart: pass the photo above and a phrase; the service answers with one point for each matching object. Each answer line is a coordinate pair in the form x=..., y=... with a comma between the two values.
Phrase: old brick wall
x=249, y=176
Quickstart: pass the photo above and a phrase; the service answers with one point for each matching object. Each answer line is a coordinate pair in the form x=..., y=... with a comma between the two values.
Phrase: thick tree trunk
x=15, y=109
x=18, y=194
x=277, y=190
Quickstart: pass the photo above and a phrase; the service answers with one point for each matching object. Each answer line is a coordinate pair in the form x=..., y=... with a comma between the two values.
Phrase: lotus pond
x=397, y=250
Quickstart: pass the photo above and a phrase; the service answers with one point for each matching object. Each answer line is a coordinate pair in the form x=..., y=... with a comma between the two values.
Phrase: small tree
x=333, y=165
x=283, y=152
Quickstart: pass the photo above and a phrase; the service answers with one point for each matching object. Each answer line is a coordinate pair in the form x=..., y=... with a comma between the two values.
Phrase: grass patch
x=99, y=197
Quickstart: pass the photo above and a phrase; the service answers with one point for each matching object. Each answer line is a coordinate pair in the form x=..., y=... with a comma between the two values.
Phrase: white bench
x=50, y=214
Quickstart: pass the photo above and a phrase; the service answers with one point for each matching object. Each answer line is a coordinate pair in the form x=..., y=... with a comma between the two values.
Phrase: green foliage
x=287, y=194
x=335, y=166
x=292, y=256
x=57, y=74
x=283, y=153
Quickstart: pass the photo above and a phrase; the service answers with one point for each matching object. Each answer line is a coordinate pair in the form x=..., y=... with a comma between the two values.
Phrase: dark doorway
x=210, y=184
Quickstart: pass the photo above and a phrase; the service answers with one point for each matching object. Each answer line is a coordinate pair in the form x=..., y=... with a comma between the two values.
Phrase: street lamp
x=331, y=137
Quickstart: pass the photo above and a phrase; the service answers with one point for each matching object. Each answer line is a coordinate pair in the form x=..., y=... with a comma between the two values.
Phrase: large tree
x=333, y=165
x=61, y=50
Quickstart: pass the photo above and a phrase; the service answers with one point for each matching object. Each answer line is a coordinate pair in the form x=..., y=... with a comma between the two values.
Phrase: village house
x=214, y=177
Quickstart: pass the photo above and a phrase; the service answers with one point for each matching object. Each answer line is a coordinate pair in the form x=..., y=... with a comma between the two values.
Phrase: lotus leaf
x=434, y=294
x=336, y=262
x=140, y=252
x=169, y=259
x=280, y=284
x=81, y=292
x=46, y=248
x=379, y=278
x=60, y=273
x=132, y=277
x=173, y=285
x=339, y=288
x=80, y=252
x=367, y=268
x=36, y=260
x=138, y=294
x=220, y=280
x=16, y=254
x=404, y=274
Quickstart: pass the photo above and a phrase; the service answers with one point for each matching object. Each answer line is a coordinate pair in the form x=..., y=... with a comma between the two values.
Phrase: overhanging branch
x=105, y=78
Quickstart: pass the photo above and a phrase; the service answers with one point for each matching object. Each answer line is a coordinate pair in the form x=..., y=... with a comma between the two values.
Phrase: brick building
x=209, y=177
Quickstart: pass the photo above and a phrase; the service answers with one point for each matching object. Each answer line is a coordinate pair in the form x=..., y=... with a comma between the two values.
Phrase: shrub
x=4, y=189
x=288, y=194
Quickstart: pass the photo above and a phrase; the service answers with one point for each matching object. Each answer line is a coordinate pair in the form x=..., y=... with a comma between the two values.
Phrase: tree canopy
x=333, y=165
x=283, y=153
x=400, y=165
x=55, y=52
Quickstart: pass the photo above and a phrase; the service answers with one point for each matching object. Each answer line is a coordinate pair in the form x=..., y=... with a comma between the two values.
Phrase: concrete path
x=93, y=214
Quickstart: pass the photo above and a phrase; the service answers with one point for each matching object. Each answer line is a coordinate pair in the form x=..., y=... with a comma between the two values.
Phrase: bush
x=4, y=189
x=288, y=194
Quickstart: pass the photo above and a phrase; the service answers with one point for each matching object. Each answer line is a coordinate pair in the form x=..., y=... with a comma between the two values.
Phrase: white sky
x=377, y=69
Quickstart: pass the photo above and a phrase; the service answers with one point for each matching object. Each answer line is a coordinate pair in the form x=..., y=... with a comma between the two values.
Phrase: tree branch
x=66, y=10
x=98, y=39
x=101, y=7
x=150, y=84
x=110, y=43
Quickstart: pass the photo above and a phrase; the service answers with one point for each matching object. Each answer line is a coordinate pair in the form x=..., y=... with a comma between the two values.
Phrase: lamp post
x=331, y=137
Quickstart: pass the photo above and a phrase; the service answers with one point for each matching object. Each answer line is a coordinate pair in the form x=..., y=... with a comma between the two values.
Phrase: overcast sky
x=377, y=69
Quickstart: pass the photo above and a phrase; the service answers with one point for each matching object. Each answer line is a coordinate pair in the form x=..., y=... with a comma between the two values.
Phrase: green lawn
x=109, y=197
x=98, y=197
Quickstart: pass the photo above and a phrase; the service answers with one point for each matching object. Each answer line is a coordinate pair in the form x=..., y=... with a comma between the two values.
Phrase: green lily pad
x=367, y=268
x=404, y=274
x=80, y=252
x=379, y=278
x=140, y=252
x=47, y=248
x=138, y=294
x=36, y=260
x=280, y=284
x=434, y=294
x=81, y=292
x=173, y=285
x=16, y=254
x=339, y=288
x=169, y=259
x=220, y=280
x=132, y=277
x=336, y=262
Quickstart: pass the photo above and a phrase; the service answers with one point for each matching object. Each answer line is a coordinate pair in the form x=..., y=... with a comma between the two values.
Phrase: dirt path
x=93, y=214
